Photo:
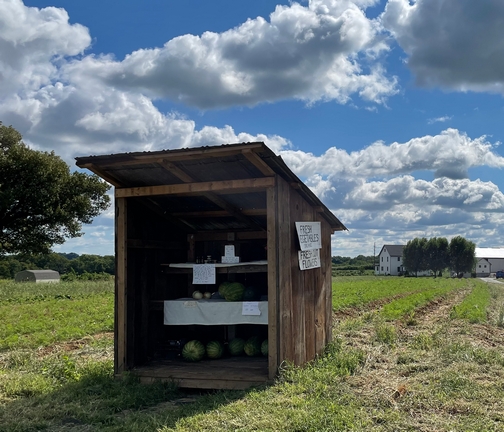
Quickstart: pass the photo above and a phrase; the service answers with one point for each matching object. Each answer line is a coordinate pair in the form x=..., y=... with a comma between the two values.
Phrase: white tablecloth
x=211, y=312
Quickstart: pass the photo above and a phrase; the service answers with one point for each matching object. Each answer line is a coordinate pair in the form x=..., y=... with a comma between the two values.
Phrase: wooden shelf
x=245, y=267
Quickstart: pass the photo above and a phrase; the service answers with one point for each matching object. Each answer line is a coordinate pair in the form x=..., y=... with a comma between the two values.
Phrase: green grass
x=474, y=307
x=361, y=291
x=35, y=315
x=381, y=375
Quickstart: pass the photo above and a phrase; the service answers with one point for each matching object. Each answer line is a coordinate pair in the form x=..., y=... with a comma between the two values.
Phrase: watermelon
x=252, y=346
x=235, y=346
x=264, y=347
x=193, y=350
x=222, y=288
x=234, y=292
x=251, y=294
x=214, y=349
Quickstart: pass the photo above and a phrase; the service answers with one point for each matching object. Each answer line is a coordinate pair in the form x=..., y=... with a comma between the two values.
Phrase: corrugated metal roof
x=192, y=166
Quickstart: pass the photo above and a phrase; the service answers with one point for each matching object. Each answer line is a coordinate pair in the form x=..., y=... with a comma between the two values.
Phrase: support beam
x=196, y=188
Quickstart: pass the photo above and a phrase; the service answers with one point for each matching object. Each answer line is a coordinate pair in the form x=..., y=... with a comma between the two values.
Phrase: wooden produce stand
x=177, y=208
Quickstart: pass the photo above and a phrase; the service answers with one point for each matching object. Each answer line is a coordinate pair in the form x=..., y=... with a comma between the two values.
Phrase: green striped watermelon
x=264, y=347
x=235, y=346
x=193, y=350
x=252, y=346
x=234, y=292
x=222, y=288
x=214, y=349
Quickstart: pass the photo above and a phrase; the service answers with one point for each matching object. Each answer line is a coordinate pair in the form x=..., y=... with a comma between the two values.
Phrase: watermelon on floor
x=235, y=346
x=193, y=350
x=214, y=349
x=234, y=292
x=252, y=346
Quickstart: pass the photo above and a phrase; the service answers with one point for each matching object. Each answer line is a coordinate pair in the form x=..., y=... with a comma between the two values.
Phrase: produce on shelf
x=234, y=292
x=264, y=347
x=251, y=294
x=197, y=295
x=222, y=288
x=235, y=346
x=207, y=295
x=252, y=346
x=193, y=350
x=214, y=349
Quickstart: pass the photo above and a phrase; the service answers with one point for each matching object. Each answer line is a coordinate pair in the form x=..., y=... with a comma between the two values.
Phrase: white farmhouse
x=488, y=260
x=390, y=261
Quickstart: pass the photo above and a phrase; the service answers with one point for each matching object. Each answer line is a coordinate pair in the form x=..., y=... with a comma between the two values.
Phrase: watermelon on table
x=251, y=294
x=234, y=292
x=235, y=346
x=252, y=346
x=214, y=349
x=222, y=288
x=193, y=350
x=264, y=347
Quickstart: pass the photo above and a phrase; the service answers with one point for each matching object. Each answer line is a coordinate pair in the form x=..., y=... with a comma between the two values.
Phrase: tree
x=41, y=202
x=462, y=255
x=414, y=255
x=437, y=254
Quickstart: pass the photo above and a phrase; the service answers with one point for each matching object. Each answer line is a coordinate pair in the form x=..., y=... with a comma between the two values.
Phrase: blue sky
x=391, y=111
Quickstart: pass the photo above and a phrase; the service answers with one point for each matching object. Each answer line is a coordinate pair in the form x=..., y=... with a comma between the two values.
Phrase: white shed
x=37, y=276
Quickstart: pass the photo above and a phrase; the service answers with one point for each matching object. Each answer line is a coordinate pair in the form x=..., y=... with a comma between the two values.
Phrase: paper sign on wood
x=309, y=235
x=309, y=259
x=203, y=274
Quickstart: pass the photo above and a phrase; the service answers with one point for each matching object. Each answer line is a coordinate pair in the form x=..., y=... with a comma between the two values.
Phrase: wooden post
x=273, y=341
x=120, y=285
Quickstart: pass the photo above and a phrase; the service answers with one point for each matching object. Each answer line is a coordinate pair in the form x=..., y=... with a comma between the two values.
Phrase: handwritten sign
x=203, y=274
x=309, y=259
x=309, y=235
x=229, y=250
x=251, y=308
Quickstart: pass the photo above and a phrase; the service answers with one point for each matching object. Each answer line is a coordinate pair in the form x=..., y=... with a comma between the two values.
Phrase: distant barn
x=37, y=276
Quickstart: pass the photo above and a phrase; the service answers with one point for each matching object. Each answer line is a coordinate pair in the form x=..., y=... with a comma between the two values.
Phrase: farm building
x=191, y=219
x=390, y=261
x=489, y=260
x=38, y=276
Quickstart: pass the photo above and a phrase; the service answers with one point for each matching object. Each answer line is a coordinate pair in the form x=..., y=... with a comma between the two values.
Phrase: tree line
x=436, y=254
x=65, y=264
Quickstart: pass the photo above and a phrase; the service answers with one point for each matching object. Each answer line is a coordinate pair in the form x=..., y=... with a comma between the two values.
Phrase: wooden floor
x=227, y=373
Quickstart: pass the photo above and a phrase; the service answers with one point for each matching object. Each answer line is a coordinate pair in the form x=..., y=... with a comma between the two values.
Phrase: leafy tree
x=437, y=254
x=414, y=255
x=462, y=254
x=41, y=202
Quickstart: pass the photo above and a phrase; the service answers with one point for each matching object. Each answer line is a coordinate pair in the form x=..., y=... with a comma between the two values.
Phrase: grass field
x=407, y=355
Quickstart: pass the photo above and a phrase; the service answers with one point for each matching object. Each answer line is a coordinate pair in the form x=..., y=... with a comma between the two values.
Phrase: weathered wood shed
x=175, y=207
x=37, y=276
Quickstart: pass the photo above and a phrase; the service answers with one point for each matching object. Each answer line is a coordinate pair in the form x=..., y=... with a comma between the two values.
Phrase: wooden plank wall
x=305, y=309
x=120, y=285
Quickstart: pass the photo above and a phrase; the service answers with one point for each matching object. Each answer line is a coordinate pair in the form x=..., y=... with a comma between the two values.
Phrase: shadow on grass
x=96, y=402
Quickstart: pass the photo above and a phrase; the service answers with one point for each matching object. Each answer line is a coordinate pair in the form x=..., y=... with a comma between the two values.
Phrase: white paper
x=203, y=274
x=190, y=304
x=309, y=259
x=229, y=250
x=251, y=308
x=230, y=260
x=309, y=235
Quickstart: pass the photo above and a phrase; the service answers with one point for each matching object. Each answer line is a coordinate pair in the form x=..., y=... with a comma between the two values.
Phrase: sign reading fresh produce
x=309, y=259
x=203, y=274
x=309, y=235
